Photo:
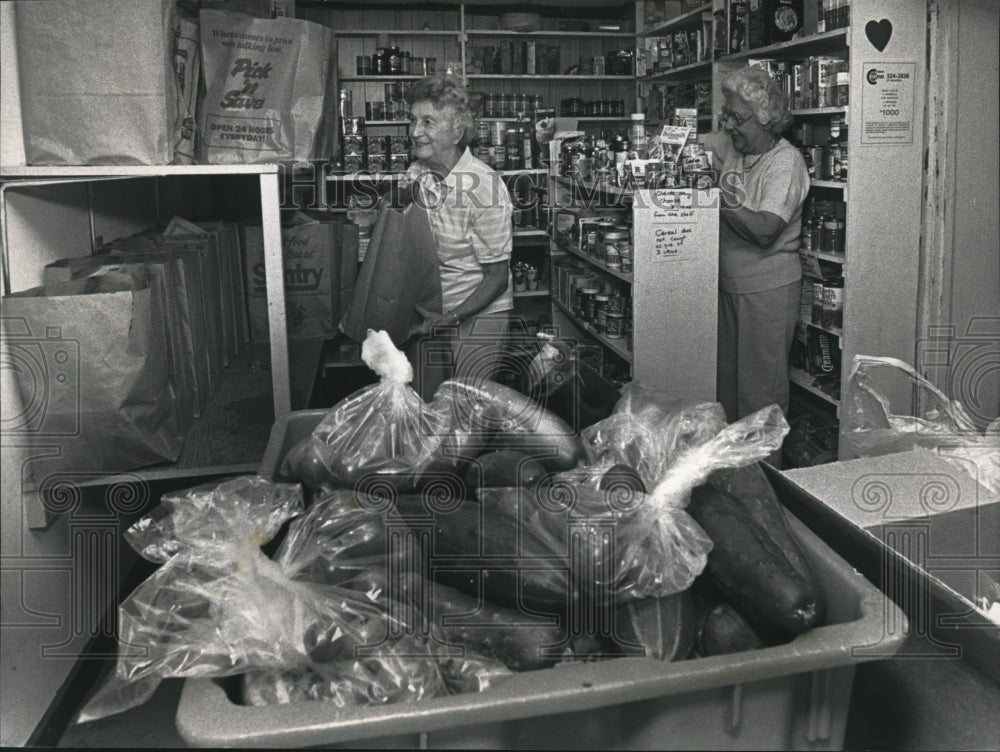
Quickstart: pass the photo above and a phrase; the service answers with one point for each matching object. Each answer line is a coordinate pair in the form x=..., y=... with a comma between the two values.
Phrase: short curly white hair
x=755, y=86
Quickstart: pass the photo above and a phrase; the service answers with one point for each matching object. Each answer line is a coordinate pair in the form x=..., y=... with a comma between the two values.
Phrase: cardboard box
x=922, y=529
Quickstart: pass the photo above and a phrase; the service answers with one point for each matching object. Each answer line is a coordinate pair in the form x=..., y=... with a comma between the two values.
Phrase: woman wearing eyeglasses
x=763, y=184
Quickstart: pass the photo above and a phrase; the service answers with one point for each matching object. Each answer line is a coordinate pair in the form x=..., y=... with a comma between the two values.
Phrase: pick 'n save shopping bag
x=93, y=376
x=265, y=87
x=400, y=271
x=97, y=81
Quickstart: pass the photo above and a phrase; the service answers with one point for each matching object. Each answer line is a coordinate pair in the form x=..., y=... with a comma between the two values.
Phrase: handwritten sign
x=887, y=103
x=676, y=225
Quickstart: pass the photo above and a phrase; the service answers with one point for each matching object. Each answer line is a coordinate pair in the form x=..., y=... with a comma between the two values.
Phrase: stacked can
x=353, y=143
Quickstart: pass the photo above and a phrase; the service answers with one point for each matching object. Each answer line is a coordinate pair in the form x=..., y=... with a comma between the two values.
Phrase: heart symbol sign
x=879, y=33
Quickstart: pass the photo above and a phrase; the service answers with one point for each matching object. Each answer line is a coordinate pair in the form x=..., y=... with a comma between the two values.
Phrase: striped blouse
x=470, y=215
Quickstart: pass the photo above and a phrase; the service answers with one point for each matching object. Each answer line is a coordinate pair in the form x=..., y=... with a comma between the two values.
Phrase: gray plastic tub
x=793, y=696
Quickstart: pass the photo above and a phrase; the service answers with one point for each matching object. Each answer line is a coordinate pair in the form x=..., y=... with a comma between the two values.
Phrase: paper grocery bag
x=400, y=271
x=265, y=88
x=99, y=393
x=164, y=275
x=97, y=81
x=319, y=260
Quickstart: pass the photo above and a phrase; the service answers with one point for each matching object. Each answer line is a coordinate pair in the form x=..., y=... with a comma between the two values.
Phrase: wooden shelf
x=383, y=79
x=539, y=293
x=835, y=184
x=838, y=333
x=543, y=33
x=623, y=276
x=546, y=77
x=232, y=434
x=689, y=20
x=819, y=111
x=398, y=33
x=132, y=171
x=815, y=44
x=605, y=189
x=617, y=346
x=692, y=72
x=833, y=258
x=804, y=381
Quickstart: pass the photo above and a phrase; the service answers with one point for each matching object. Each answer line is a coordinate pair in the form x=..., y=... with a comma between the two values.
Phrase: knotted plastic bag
x=659, y=548
x=873, y=424
x=383, y=432
x=218, y=607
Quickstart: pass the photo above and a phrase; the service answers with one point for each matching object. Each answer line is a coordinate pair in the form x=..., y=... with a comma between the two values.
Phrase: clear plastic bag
x=871, y=426
x=384, y=429
x=660, y=549
x=647, y=429
x=217, y=606
x=351, y=540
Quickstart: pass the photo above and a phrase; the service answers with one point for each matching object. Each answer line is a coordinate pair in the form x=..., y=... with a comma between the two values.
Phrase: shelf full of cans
x=815, y=87
x=666, y=158
x=362, y=151
x=601, y=305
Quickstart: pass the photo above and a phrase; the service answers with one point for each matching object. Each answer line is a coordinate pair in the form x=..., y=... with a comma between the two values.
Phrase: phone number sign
x=887, y=96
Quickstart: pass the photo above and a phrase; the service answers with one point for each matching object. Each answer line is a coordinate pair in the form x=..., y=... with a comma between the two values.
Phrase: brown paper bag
x=99, y=396
x=97, y=81
x=192, y=271
x=265, y=87
x=400, y=271
x=319, y=261
x=165, y=277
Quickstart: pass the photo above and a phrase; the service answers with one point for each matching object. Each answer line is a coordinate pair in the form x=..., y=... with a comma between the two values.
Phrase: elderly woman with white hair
x=763, y=183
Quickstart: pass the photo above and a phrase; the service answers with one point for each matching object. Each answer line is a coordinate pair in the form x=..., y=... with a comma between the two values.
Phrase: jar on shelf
x=587, y=300
x=601, y=312
x=637, y=134
x=395, y=61
x=614, y=239
x=380, y=61
x=364, y=65
x=833, y=304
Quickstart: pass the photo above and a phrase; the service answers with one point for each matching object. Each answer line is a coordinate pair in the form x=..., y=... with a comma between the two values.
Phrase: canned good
x=378, y=161
x=833, y=304
x=588, y=235
x=354, y=162
x=352, y=126
x=612, y=256
x=601, y=313
x=614, y=327
x=520, y=278
x=353, y=145
x=398, y=162
x=817, y=303
x=498, y=132
x=397, y=144
x=625, y=252
x=587, y=304
x=346, y=103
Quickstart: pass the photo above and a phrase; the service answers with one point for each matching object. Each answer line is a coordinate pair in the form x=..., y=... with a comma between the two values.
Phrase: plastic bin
x=793, y=696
